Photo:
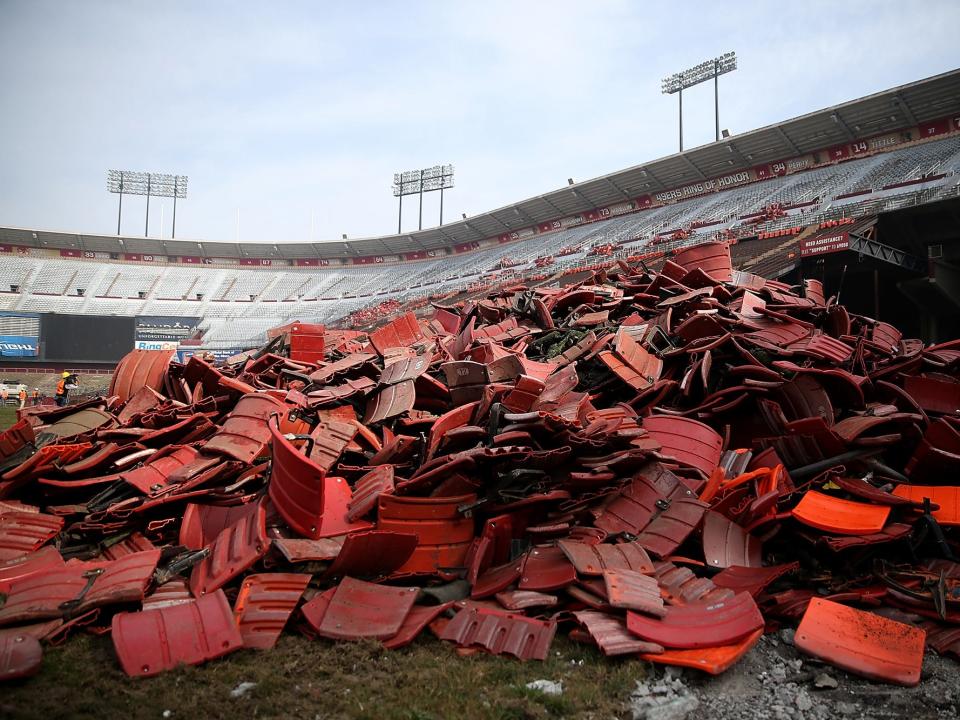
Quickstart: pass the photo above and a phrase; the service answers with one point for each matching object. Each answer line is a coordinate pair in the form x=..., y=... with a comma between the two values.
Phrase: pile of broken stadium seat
x=657, y=463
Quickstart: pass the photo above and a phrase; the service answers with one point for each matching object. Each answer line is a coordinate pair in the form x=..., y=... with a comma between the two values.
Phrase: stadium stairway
x=758, y=264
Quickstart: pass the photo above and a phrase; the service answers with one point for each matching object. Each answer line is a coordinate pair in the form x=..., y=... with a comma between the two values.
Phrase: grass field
x=8, y=416
x=315, y=679
x=301, y=678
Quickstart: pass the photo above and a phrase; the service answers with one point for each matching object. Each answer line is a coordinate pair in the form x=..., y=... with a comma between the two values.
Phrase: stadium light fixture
x=714, y=68
x=143, y=183
x=417, y=182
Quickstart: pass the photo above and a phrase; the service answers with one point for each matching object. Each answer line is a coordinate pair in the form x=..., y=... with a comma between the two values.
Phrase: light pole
x=142, y=183
x=714, y=68
x=418, y=182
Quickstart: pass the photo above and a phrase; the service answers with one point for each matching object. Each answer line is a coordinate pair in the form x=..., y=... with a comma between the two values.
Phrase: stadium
x=871, y=185
x=679, y=439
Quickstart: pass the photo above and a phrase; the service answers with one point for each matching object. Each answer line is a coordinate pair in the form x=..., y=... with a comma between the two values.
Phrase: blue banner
x=184, y=354
x=18, y=346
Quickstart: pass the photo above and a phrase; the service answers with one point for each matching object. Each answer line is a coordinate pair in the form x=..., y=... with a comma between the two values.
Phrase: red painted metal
x=444, y=532
x=371, y=486
x=203, y=523
x=143, y=400
x=546, y=568
x=712, y=257
x=753, y=580
x=680, y=586
x=244, y=434
x=496, y=579
x=235, y=549
x=865, y=491
x=330, y=439
x=455, y=418
x=406, y=369
x=402, y=332
x=80, y=422
x=373, y=554
x=933, y=395
x=390, y=401
x=78, y=587
x=45, y=559
x=150, y=642
x=172, y=592
x=153, y=477
x=359, y=610
x=668, y=530
x=302, y=550
x=690, y=442
x=46, y=459
x=725, y=543
x=633, y=591
x=631, y=362
x=501, y=633
x=823, y=347
x=861, y=642
x=804, y=397
x=632, y=509
x=20, y=655
x=777, y=334
x=314, y=610
x=700, y=625
x=593, y=559
x=311, y=502
x=24, y=532
x=264, y=605
x=138, y=369
x=516, y=600
x=610, y=634
x=133, y=543
x=891, y=532
x=417, y=619
x=17, y=436
x=329, y=370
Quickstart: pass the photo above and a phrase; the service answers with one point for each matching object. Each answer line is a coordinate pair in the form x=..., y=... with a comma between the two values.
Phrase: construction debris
x=666, y=463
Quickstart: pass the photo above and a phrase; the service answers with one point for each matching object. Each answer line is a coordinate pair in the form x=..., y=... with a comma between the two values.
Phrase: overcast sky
x=299, y=113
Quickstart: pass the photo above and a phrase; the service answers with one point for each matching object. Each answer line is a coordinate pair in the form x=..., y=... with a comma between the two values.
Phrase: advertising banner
x=19, y=334
x=18, y=346
x=163, y=329
x=155, y=345
x=184, y=354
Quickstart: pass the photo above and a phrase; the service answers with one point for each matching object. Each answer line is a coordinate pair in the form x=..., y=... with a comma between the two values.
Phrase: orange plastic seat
x=946, y=496
x=712, y=660
x=861, y=642
x=839, y=516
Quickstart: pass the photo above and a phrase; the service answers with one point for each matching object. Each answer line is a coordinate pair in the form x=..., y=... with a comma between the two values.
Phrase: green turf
x=8, y=416
x=306, y=678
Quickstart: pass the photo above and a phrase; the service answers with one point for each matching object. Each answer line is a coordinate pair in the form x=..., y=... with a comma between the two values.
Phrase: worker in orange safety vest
x=61, y=392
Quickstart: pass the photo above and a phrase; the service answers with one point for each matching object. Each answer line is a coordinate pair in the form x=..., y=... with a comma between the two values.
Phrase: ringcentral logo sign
x=18, y=346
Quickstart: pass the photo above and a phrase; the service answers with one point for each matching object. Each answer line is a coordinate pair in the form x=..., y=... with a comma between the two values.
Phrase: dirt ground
x=776, y=682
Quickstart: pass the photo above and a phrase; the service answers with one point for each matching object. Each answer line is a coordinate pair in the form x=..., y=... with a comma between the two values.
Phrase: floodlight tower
x=142, y=183
x=714, y=68
x=417, y=182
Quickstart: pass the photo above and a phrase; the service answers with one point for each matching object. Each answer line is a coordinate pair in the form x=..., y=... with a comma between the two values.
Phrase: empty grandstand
x=772, y=190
